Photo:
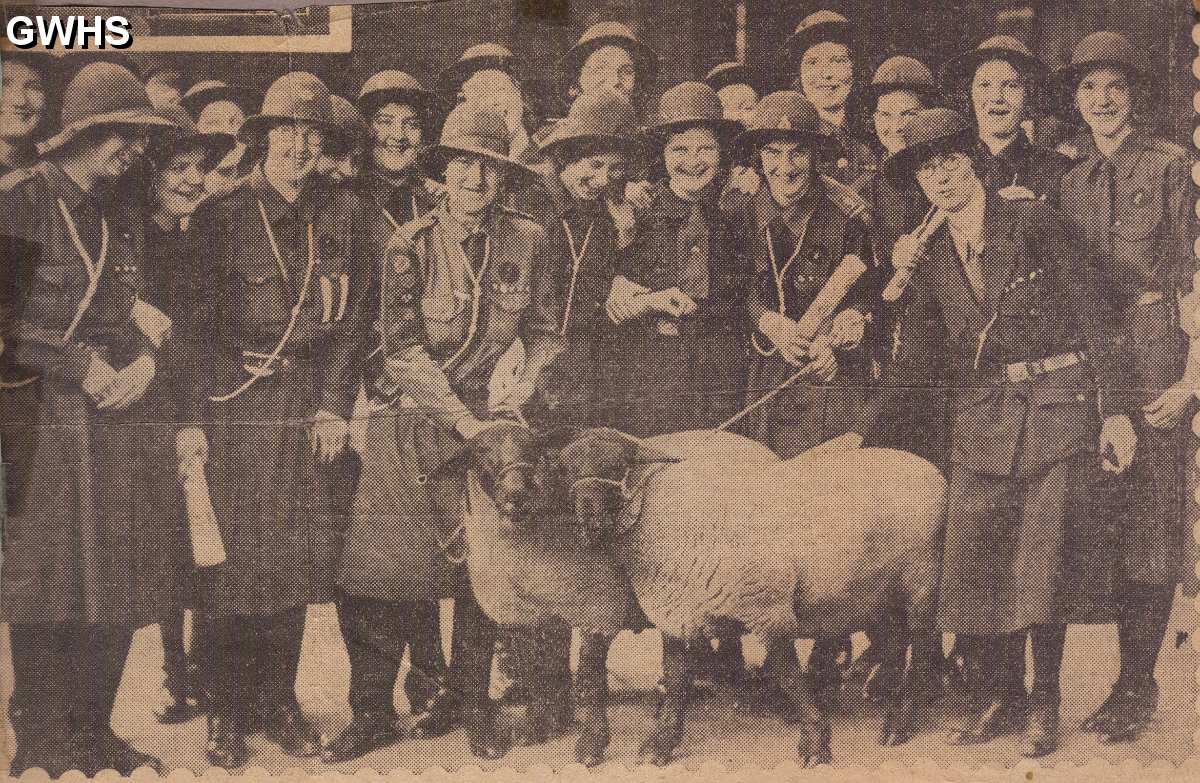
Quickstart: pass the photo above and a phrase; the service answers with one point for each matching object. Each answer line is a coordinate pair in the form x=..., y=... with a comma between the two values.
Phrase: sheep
x=524, y=577
x=826, y=543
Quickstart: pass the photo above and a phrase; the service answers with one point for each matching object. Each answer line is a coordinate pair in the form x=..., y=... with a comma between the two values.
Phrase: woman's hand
x=129, y=384
x=328, y=434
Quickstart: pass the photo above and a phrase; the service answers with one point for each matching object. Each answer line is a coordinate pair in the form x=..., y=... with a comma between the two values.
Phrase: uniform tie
x=974, y=271
x=693, y=254
x=473, y=249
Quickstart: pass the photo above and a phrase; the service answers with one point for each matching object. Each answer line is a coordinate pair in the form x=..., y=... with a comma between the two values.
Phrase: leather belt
x=1019, y=372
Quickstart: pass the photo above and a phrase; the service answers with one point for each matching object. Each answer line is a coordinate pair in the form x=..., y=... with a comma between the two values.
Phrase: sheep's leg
x=813, y=747
x=591, y=698
x=677, y=679
x=904, y=713
x=823, y=665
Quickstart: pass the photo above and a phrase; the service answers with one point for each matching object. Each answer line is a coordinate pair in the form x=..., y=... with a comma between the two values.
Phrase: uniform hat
x=925, y=134
x=103, y=94
x=186, y=136
x=208, y=91
x=785, y=115
x=998, y=47
x=476, y=131
x=610, y=34
x=346, y=116
x=1103, y=49
x=481, y=57
x=902, y=73
x=604, y=119
x=690, y=105
x=727, y=74
x=394, y=87
x=816, y=28
x=294, y=97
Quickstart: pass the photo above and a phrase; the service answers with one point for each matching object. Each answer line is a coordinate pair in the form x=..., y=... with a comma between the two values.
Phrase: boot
x=367, y=731
x=226, y=744
x=1134, y=710
x=1042, y=733
x=287, y=727
x=441, y=716
x=40, y=743
x=100, y=747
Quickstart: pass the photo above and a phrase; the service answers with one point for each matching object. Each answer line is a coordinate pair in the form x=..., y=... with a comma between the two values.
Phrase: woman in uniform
x=286, y=302
x=1130, y=194
x=80, y=576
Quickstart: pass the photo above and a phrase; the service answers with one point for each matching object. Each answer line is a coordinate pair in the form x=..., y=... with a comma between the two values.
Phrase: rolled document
x=933, y=221
x=152, y=322
x=820, y=311
x=207, y=547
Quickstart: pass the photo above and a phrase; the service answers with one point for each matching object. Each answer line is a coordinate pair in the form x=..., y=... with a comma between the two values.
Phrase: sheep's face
x=595, y=468
x=504, y=457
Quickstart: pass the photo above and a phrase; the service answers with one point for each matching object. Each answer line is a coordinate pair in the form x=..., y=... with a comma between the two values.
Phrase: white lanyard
x=94, y=268
x=476, y=293
x=778, y=274
x=391, y=218
x=266, y=366
x=576, y=261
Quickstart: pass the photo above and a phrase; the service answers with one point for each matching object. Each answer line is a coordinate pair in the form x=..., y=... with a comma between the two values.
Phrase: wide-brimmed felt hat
x=603, y=119
x=187, y=136
x=902, y=73
x=604, y=34
x=962, y=68
x=207, y=91
x=391, y=86
x=691, y=105
x=297, y=96
x=480, y=57
x=103, y=94
x=726, y=74
x=352, y=127
x=925, y=134
x=473, y=130
x=817, y=27
x=785, y=115
x=1103, y=49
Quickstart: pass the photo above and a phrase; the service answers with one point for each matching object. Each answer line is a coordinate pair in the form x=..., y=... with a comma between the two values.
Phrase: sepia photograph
x=535, y=383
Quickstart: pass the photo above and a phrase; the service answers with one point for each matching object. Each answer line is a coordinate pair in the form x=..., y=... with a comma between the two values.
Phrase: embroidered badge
x=1139, y=197
x=843, y=163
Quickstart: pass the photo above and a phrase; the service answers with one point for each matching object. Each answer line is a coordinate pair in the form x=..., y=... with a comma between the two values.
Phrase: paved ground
x=716, y=731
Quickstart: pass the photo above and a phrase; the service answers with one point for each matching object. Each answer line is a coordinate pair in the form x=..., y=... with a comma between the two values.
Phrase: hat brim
x=900, y=169
x=962, y=68
x=450, y=81
x=930, y=93
x=798, y=43
x=214, y=145
x=432, y=161
x=143, y=119
x=726, y=78
x=646, y=59
x=256, y=126
x=424, y=101
x=195, y=103
x=725, y=130
x=1062, y=84
x=629, y=146
x=749, y=142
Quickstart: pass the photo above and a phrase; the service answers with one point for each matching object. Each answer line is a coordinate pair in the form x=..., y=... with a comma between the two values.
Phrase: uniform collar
x=1014, y=154
x=767, y=210
x=966, y=225
x=673, y=207
x=457, y=231
x=62, y=186
x=277, y=208
x=381, y=186
x=1124, y=159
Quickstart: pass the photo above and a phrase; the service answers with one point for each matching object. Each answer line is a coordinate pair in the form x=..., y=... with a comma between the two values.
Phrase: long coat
x=281, y=530
x=1016, y=447
x=92, y=543
x=827, y=225
x=660, y=377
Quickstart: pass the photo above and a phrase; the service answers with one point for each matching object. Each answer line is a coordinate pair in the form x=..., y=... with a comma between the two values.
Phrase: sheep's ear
x=558, y=437
x=644, y=455
x=456, y=464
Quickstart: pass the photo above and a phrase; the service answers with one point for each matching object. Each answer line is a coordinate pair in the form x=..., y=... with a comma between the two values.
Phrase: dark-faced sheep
x=820, y=545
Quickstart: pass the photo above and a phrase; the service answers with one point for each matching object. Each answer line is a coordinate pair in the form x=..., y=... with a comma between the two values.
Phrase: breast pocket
x=1137, y=227
x=443, y=318
x=261, y=297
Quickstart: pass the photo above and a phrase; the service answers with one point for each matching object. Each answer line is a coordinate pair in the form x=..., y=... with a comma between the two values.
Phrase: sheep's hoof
x=660, y=746
x=813, y=748
x=589, y=749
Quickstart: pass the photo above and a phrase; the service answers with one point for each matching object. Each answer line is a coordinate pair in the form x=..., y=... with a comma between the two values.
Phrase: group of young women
x=314, y=305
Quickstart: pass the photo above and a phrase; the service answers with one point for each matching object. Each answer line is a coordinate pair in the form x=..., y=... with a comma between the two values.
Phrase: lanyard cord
x=264, y=367
x=778, y=274
x=576, y=261
x=477, y=294
x=392, y=218
x=94, y=268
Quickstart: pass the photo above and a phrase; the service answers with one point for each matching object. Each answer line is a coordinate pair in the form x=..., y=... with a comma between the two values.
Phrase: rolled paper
x=152, y=322
x=902, y=277
x=819, y=314
x=207, y=547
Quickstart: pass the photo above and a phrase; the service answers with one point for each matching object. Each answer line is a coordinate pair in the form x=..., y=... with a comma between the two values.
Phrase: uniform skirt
x=96, y=540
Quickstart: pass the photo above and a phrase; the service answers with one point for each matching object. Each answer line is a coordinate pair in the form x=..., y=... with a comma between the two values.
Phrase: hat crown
x=689, y=101
x=103, y=88
x=606, y=30
x=1106, y=46
x=930, y=125
x=472, y=126
x=1004, y=43
x=179, y=116
x=607, y=112
x=822, y=17
x=903, y=69
x=346, y=115
x=784, y=110
x=298, y=95
x=486, y=50
x=397, y=81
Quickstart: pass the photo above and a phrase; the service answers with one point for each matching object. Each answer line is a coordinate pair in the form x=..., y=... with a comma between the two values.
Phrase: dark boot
x=1042, y=734
x=101, y=747
x=226, y=744
x=367, y=731
x=441, y=716
x=41, y=742
x=287, y=727
x=1134, y=709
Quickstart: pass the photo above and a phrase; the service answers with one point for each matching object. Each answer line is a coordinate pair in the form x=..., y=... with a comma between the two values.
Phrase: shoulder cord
x=264, y=367
x=778, y=274
x=576, y=262
x=477, y=295
x=94, y=268
x=390, y=217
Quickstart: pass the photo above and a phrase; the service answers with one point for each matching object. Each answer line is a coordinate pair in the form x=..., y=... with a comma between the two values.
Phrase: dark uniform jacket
x=849, y=159
x=1025, y=165
x=796, y=252
x=1043, y=299
x=93, y=543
